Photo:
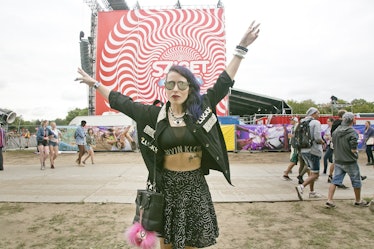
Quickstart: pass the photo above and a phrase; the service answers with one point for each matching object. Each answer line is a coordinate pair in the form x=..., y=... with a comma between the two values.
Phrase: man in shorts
x=80, y=140
x=345, y=140
x=312, y=155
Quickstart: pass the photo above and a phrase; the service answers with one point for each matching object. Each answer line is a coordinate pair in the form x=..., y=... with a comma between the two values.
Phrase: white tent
x=112, y=119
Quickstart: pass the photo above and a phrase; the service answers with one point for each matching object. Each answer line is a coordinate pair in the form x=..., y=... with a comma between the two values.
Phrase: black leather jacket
x=206, y=130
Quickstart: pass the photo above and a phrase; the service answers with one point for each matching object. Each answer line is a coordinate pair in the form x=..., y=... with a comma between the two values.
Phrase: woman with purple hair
x=185, y=140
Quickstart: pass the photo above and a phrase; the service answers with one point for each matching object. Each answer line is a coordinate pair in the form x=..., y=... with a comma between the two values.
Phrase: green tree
x=301, y=107
x=362, y=106
x=74, y=113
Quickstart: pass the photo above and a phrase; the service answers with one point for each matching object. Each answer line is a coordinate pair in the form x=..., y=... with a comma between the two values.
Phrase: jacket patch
x=204, y=115
x=148, y=144
x=149, y=131
x=210, y=123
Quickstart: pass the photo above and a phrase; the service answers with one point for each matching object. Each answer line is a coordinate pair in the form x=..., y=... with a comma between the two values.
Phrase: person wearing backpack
x=312, y=152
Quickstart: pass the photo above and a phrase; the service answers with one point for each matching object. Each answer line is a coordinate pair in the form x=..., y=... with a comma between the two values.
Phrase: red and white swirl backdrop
x=136, y=48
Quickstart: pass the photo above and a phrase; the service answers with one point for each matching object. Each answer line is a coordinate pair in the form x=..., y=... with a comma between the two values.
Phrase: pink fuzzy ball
x=136, y=235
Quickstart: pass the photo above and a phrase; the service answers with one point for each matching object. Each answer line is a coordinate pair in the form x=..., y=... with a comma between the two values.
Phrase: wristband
x=242, y=48
x=240, y=53
x=96, y=85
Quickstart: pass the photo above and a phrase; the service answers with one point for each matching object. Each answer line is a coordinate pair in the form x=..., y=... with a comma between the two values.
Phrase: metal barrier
x=20, y=142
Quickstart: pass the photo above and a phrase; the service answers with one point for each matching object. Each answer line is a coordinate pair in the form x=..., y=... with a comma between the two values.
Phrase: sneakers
x=301, y=180
x=330, y=205
x=299, y=190
x=361, y=204
x=363, y=178
x=286, y=178
x=314, y=195
x=356, y=204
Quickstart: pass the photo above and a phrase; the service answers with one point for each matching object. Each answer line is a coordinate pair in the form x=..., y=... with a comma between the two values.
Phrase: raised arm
x=249, y=37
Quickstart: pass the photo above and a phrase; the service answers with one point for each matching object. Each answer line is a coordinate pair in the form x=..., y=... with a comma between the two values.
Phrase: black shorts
x=43, y=142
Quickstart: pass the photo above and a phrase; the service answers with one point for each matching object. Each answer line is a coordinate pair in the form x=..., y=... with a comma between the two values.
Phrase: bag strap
x=151, y=183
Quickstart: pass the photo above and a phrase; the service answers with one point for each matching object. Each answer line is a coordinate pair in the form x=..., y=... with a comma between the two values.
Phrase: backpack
x=302, y=137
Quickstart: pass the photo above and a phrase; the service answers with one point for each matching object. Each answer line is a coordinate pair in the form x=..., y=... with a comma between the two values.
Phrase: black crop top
x=177, y=140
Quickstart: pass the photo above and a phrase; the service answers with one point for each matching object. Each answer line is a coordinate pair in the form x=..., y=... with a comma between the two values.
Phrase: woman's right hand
x=85, y=78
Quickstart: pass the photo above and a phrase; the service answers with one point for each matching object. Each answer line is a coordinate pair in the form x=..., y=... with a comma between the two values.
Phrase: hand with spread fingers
x=251, y=35
x=85, y=78
x=241, y=50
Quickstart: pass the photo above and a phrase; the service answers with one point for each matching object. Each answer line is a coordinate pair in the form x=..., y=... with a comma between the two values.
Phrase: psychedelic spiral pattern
x=135, y=49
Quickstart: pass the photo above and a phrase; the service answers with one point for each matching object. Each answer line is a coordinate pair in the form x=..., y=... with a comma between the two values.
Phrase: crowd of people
x=49, y=141
x=338, y=146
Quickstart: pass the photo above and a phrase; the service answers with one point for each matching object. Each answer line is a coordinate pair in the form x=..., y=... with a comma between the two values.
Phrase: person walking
x=80, y=140
x=54, y=143
x=327, y=157
x=42, y=137
x=312, y=155
x=369, y=142
x=2, y=145
x=183, y=138
x=335, y=125
x=294, y=155
x=90, y=145
x=345, y=140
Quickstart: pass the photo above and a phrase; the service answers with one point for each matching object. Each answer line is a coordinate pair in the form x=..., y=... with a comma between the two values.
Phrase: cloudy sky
x=307, y=49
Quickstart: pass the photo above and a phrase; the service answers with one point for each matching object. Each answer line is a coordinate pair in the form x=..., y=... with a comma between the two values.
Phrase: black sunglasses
x=182, y=85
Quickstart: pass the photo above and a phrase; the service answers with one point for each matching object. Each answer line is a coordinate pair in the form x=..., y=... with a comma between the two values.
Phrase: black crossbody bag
x=150, y=206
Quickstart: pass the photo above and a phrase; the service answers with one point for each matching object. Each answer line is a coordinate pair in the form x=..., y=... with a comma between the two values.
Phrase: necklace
x=176, y=120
